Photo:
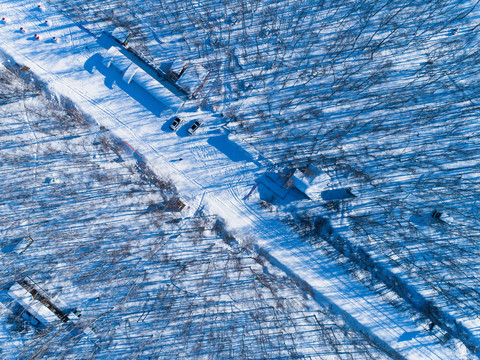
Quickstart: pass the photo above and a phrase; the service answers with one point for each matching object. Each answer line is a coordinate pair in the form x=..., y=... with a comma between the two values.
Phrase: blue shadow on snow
x=337, y=194
x=229, y=148
x=136, y=92
x=407, y=336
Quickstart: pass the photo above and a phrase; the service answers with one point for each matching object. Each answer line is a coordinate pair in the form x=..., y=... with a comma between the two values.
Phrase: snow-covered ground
x=211, y=171
x=86, y=224
x=381, y=95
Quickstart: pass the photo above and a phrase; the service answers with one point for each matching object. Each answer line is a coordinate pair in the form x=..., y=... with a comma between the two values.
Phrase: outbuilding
x=188, y=76
x=311, y=181
x=33, y=306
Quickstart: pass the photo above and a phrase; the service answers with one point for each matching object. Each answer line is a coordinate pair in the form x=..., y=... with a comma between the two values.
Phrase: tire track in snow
x=114, y=117
x=35, y=155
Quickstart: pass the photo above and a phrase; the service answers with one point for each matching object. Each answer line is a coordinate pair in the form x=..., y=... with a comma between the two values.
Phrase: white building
x=312, y=181
x=114, y=57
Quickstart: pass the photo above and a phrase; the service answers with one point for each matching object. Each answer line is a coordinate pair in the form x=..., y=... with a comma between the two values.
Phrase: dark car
x=176, y=123
x=194, y=127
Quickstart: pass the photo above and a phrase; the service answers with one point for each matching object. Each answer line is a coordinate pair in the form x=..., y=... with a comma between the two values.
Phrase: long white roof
x=120, y=61
x=107, y=58
x=132, y=72
x=114, y=57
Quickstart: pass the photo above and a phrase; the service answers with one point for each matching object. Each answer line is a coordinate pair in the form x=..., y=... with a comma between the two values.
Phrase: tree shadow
x=10, y=247
x=408, y=335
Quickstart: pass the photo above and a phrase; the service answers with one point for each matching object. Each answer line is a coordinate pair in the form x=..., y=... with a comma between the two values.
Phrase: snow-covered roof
x=114, y=57
x=107, y=58
x=120, y=61
x=192, y=78
x=34, y=307
x=178, y=66
x=156, y=89
x=73, y=317
x=130, y=72
x=311, y=182
x=23, y=244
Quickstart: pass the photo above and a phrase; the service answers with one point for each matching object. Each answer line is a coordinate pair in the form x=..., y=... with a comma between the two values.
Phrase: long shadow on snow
x=337, y=194
x=135, y=91
x=229, y=148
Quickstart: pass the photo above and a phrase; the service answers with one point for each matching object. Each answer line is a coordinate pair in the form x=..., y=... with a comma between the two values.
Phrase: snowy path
x=213, y=170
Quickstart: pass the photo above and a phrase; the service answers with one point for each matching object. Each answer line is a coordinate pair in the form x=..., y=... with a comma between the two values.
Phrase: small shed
x=33, y=306
x=176, y=204
x=74, y=317
x=311, y=181
x=193, y=78
x=23, y=244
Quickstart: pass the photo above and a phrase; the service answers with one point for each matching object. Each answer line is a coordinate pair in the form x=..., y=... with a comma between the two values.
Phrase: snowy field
x=380, y=96
x=150, y=281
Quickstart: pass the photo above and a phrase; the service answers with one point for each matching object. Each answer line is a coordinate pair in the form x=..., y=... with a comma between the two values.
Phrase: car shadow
x=166, y=125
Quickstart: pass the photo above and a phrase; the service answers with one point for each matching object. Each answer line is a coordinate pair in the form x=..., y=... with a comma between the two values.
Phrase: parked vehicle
x=176, y=123
x=194, y=127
